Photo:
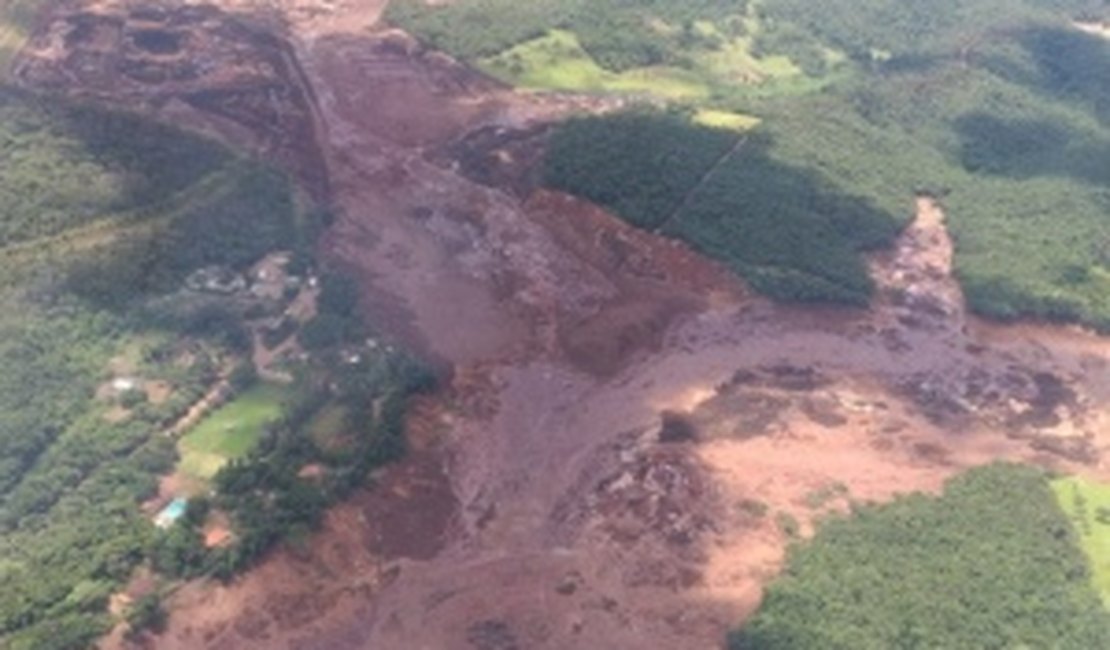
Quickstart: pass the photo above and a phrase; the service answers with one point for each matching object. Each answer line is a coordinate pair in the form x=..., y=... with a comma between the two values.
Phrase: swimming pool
x=171, y=513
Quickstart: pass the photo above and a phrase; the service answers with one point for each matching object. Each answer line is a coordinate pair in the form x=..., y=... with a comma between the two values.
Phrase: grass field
x=1087, y=505
x=558, y=62
x=232, y=430
x=725, y=120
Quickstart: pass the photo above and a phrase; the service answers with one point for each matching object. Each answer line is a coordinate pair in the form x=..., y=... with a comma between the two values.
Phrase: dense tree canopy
x=993, y=563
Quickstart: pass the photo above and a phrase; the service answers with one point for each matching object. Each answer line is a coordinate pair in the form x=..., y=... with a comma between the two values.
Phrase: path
x=662, y=227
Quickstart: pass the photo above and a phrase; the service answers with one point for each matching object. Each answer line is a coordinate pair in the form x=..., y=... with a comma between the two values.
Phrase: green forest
x=104, y=217
x=999, y=108
x=790, y=234
x=992, y=563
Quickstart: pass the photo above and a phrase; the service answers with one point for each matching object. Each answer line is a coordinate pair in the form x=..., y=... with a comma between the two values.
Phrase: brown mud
x=624, y=423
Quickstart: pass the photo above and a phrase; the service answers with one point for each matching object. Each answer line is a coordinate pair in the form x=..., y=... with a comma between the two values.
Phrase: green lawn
x=1087, y=505
x=232, y=430
x=725, y=120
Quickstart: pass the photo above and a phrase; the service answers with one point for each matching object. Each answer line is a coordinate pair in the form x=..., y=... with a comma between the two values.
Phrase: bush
x=147, y=614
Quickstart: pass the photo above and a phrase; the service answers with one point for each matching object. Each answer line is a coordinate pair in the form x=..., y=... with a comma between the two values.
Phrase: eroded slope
x=626, y=429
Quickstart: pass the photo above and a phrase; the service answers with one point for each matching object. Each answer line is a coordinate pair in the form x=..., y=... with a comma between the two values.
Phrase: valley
x=627, y=436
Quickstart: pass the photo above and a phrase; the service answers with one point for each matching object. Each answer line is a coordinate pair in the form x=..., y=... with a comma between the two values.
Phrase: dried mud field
x=623, y=423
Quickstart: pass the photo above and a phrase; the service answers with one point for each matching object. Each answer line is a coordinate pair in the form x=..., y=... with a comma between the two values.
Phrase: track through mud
x=624, y=424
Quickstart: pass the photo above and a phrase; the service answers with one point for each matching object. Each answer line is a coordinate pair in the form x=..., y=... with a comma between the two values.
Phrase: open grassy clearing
x=715, y=119
x=557, y=61
x=233, y=430
x=718, y=65
x=1087, y=505
x=992, y=562
x=691, y=52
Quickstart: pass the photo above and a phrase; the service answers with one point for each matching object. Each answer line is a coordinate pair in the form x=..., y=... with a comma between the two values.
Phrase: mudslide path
x=623, y=422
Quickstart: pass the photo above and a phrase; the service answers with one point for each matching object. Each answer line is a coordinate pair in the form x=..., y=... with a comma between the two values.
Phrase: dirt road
x=625, y=427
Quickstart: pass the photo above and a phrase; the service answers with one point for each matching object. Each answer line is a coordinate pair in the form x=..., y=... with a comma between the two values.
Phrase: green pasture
x=1087, y=505
x=232, y=430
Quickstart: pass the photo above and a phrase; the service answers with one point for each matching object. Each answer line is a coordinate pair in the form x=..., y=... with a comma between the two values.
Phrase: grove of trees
x=992, y=563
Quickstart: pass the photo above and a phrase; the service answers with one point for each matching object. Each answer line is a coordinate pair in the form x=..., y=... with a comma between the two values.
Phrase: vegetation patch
x=1000, y=108
x=991, y=563
x=106, y=348
x=641, y=165
x=618, y=35
x=1087, y=505
x=715, y=119
x=329, y=428
x=233, y=430
x=76, y=165
x=16, y=20
x=792, y=234
x=557, y=61
x=689, y=51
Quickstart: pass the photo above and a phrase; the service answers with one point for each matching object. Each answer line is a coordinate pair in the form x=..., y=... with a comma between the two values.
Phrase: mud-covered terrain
x=625, y=428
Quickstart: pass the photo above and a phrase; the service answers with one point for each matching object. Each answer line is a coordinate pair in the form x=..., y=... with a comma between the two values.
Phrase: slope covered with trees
x=104, y=350
x=997, y=107
x=993, y=563
x=789, y=233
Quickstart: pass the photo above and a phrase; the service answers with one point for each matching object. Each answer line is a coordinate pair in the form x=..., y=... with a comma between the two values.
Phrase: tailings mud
x=625, y=427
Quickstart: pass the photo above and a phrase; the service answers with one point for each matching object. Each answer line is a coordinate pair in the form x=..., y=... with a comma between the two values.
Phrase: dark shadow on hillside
x=913, y=63
x=789, y=231
x=1026, y=148
x=1070, y=66
x=127, y=92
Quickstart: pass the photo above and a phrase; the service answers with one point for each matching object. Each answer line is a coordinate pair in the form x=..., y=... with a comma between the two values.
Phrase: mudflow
x=623, y=421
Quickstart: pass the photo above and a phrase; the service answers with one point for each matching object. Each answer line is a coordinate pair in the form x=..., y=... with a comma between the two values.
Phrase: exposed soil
x=623, y=420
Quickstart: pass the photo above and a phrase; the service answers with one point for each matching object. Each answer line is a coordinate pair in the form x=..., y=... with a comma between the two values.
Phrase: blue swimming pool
x=171, y=513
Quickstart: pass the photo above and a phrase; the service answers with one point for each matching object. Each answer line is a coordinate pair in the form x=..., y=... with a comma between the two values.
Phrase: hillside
x=558, y=324
x=113, y=348
x=997, y=108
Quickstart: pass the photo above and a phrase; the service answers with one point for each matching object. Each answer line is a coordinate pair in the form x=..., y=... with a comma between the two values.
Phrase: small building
x=216, y=279
x=124, y=384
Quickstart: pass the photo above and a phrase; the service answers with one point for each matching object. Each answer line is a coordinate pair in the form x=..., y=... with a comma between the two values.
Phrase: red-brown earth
x=623, y=422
